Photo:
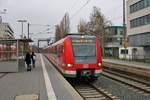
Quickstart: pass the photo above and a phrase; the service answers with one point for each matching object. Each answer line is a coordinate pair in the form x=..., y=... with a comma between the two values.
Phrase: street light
x=125, y=43
x=22, y=21
x=3, y=12
x=124, y=18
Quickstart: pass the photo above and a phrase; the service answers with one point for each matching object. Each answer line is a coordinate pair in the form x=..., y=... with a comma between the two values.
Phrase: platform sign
x=83, y=41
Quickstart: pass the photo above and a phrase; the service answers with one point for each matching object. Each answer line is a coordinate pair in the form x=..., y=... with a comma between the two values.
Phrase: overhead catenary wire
x=74, y=4
x=79, y=10
x=39, y=25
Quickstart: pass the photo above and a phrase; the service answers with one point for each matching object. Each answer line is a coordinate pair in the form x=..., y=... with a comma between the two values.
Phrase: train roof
x=58, y=42
x=78, y=35
x=73, y=35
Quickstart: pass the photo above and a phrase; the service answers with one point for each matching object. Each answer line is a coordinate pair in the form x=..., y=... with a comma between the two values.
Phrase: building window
x=124, y=51
x=115, y=31
x=139, y=5
x=144, y=20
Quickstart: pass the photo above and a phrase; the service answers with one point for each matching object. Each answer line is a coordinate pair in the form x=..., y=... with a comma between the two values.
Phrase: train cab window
x=84, y=50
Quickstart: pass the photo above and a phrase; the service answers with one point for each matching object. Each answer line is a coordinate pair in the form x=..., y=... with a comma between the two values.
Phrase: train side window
x=62, y=49
x=55, y=49
x=52, y=50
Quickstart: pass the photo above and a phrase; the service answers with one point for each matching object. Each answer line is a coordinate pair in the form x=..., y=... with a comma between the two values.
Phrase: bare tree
x=63, y=28
x=65, y=23
x=97, y=24
x=82, y=28
x=57, y=33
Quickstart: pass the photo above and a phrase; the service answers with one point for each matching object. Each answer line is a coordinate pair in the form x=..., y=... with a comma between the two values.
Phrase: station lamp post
x=2, y=12
x=124, y=19
x=125, y=42
x=22, y=21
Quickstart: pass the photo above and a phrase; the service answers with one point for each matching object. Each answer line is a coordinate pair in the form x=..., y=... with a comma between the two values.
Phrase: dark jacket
x=33, y=56
x=28, y=58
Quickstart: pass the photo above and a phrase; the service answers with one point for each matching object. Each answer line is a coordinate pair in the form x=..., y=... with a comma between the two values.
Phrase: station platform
x=128, y=63
x=137, y=68
x=44, y=82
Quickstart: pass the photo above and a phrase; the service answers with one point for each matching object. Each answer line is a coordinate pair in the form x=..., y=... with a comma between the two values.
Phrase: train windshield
x=84, y=50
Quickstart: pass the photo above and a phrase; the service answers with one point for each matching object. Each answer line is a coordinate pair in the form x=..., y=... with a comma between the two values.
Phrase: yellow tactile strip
x=27, y=97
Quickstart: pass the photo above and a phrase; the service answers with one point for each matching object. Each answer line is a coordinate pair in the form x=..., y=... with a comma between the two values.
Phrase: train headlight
x=69, y=65
x=99, y=64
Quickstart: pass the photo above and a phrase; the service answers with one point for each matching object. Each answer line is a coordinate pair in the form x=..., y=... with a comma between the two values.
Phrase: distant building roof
x=115, y=27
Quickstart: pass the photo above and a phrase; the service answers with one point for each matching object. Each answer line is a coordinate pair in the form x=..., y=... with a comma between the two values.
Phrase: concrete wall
x=139, y=54
x=147, y=52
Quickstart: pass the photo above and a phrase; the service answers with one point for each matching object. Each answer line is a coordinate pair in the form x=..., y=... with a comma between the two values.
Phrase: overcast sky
x=51, y=12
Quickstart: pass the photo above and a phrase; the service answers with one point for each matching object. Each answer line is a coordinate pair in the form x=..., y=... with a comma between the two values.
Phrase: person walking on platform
x=28, y=61
x=33, y=57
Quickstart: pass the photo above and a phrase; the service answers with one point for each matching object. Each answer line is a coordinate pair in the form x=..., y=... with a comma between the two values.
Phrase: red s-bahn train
x=76, y=55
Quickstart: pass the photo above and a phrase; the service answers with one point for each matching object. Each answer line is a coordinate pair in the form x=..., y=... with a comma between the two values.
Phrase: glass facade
x=139, y=5
x=144, y=20
x=142, y=39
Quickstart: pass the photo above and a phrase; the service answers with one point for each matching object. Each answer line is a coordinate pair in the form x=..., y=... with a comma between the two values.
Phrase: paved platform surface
x=28, y=83
x=1, y=74
x=128, y=63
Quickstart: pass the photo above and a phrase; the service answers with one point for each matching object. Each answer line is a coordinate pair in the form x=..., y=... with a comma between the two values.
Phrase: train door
x=60, y=55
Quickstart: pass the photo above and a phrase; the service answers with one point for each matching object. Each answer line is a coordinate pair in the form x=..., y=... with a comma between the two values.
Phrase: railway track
x=91, y=92
x=131, y=77
x=131, y=83
x=2, y=75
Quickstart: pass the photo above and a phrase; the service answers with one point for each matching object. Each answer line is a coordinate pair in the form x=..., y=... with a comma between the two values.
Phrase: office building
x=113, y=40
x=138, y=24
x=6, y=32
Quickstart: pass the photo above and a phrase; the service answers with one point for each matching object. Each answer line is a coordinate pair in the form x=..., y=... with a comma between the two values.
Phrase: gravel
x=119, y=90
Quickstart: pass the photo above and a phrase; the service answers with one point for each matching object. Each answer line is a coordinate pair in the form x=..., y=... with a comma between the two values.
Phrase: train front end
x=83, y=57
